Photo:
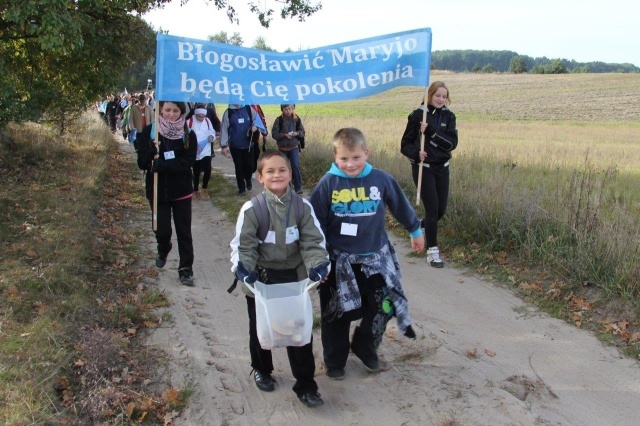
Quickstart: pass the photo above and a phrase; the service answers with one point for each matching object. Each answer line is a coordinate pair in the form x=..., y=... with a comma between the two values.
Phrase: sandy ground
x=528, y=368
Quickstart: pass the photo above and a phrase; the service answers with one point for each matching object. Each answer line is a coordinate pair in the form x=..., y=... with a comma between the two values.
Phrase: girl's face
x=351, y=161
x=439, y=99
x=275, y=175
x=287, y=111
x=170, y=111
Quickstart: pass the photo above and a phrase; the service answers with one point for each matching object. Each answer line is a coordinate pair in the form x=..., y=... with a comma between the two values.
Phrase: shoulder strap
x=298, y=207
x=248, y=109
x=280, y=123
x=190, y=122
x=297, y=122
x=259, y=203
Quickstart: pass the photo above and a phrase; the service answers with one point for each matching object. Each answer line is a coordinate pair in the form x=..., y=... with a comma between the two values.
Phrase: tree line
x=508, y=61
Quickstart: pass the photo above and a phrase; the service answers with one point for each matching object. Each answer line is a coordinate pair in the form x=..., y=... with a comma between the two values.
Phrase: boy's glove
x=243, y=275
x=319, y=272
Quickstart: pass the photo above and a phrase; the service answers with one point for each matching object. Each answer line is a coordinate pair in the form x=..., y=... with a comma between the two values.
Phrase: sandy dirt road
x=529, y=369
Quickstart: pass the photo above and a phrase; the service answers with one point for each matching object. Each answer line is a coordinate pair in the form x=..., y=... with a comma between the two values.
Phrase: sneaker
x=378, y=366
x=196, y=195
x=204, y=194
x=264, y=381
x=433, y=257
x=335, y=373
x=311, y=399
x=188, y=281
x=186, y=277
x=162, y=260
x=249, y=186
x=299, y=192
x=241, y=192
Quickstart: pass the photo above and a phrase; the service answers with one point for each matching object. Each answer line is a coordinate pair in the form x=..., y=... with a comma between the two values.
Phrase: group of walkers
x=336, y=237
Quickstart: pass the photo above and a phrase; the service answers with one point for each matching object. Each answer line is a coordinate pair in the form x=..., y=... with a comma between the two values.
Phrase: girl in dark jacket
x=172, y=158
x=441, y=137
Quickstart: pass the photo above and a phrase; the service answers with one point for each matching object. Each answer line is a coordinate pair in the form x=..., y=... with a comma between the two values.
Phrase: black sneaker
x=311, y=399
x=335, y=373
x=249, y=186
x=186, y=277
x=264, y=381
x=162, y=260
x=241, y=192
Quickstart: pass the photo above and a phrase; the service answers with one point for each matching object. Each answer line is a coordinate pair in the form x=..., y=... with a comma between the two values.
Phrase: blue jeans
x=294, y=159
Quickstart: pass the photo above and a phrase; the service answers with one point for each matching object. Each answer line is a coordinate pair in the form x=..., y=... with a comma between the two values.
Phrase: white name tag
x=240, y=120
x=292, y=234
x=349, y=229
x=270, y=238
x=169, y=155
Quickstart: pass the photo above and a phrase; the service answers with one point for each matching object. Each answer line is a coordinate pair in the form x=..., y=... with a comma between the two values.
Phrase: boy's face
x=200, y=117
x=351, y=161
x=275, y=175
x=287, y=111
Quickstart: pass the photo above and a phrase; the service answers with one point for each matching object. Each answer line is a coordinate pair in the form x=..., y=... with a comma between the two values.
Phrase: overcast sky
x=586, y=30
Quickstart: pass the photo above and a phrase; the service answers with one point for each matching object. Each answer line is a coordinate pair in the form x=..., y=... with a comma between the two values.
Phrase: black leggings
x=203, y=166
x=434, y=194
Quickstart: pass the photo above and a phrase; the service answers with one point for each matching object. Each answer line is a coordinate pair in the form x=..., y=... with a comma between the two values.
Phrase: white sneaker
x=433, y=257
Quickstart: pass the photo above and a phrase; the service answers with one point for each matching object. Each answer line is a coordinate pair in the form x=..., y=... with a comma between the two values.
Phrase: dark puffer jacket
x=441, y=135
x=175, y=179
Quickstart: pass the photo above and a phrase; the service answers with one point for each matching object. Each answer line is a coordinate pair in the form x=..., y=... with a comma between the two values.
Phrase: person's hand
x=225, y=151
x=423, y=156
x=319, y=272
x=423, y=127
x=417, y=243
x=154, y=165
x=244, y=275
x=211, y=138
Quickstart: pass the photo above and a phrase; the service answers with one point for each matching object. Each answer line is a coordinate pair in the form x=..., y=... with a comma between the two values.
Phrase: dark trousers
x=434, y=194
x=202, y=166
x=301, y=358
x=182, y=221
x=335, y=331
x=243, y=161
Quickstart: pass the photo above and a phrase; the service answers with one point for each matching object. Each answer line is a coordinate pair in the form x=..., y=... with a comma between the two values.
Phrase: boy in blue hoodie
x=350, y=202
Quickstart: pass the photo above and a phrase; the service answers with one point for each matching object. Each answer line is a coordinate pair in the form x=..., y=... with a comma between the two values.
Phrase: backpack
x=298, y=123
x=259, y=203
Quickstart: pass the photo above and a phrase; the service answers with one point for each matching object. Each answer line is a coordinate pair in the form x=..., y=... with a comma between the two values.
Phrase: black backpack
x=298, y=123
x=259, y=203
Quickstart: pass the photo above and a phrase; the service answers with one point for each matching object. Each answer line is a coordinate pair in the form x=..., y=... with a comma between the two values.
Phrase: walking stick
x=154, y=214
x=424, y=120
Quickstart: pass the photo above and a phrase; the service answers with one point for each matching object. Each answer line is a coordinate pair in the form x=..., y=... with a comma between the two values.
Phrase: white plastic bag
x=284, y=314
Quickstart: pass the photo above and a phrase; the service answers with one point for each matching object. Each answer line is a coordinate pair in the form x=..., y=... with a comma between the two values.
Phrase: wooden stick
x=154, y=215
x=424, y=120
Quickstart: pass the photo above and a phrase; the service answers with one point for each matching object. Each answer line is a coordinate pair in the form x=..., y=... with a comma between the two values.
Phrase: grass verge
x=73, y=301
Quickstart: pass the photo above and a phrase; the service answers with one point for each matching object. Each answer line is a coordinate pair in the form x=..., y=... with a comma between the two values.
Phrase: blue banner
x=203, y=71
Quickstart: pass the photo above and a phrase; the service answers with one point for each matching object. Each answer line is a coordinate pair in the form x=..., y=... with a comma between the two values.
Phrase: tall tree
x=261, y=44
x=223, y=37
x=517, y=65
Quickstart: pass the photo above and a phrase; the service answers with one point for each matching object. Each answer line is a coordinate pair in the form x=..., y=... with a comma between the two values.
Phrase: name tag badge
x=349, y=229
x=240, y=120
x=270, y=238
x=292, y=234
x=169, y=155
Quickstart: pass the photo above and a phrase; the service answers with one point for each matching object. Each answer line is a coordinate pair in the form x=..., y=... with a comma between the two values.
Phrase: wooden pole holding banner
x=154, y=213
x=424, y=120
